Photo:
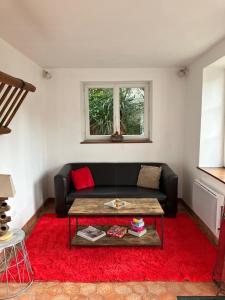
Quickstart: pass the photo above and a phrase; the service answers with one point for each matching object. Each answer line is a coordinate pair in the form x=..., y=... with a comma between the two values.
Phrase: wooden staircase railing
x=13, y=91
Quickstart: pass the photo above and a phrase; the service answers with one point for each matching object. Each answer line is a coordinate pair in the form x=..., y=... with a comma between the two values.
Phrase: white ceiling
x=112, y=33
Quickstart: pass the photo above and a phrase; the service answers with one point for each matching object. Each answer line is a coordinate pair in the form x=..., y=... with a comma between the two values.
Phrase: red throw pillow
x=82, y=178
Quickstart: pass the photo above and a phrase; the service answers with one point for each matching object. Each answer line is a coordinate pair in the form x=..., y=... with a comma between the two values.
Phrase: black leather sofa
x=115, y=180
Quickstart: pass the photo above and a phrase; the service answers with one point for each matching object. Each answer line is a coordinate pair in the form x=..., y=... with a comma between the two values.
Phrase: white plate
x=112, y=203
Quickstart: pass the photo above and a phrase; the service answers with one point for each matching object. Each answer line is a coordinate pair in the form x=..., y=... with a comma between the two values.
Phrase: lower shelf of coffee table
x=151, y=238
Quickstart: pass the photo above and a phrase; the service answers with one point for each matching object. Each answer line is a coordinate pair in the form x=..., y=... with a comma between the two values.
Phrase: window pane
x=100, y=111
x=132, y=111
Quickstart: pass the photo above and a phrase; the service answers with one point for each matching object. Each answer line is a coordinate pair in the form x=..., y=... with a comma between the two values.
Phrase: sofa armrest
x=62, y=188
x=169, y=186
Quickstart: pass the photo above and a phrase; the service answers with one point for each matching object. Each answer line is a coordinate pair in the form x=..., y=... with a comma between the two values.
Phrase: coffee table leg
x=162, y=232
x=76, y=225
x=69, y=223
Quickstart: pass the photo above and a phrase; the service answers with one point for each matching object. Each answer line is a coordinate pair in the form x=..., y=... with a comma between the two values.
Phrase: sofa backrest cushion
x=114, y=174
x=127, y=174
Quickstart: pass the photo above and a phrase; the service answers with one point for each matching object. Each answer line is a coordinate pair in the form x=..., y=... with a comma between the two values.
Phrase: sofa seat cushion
x=119, y=191
x=139, y=192
x=98, y=191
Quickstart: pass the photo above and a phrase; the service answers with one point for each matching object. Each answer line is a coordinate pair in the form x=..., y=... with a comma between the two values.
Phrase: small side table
x=16, y=274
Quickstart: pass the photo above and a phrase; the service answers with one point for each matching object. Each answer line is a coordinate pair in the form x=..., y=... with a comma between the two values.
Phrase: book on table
x=91, y=233
x=117, y=231
x=137, y=227
x=138, y=234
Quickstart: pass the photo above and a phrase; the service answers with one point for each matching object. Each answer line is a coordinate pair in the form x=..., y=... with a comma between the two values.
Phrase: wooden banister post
x=10, y=102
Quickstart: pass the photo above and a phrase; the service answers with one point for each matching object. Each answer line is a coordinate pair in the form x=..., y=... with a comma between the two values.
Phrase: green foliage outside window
x=101, y=111
x=131, y=111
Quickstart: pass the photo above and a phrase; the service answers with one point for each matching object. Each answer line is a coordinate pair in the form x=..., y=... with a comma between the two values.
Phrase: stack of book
x=91, y=233
x=137, y=227
x=117, y=231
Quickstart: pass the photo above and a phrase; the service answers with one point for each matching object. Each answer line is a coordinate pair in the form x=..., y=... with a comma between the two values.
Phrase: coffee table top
x=96, y=207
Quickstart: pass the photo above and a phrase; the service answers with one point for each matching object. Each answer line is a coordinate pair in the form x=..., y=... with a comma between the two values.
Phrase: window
x=117, y=107
x=212, y=132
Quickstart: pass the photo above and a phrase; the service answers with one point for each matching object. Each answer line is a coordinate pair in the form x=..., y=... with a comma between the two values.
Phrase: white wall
x=212, y=118
x=46, y=131
x=23, y=151
x=193, y=123
x=65, y=119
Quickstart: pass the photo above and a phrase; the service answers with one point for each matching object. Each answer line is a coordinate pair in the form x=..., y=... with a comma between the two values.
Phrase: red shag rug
x=187, y=254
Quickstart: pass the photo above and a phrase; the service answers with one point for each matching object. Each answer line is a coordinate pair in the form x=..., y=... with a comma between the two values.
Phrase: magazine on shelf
x=117, y=231
x=91, y=233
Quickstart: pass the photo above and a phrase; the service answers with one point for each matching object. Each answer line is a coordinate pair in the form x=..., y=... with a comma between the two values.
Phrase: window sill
x=218, y=173
x=119, y=142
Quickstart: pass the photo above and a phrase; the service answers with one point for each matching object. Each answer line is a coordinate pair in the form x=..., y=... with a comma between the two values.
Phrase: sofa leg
x=61, y=215
x=170, y=214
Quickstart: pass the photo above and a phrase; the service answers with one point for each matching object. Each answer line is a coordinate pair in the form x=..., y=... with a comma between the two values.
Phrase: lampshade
x=7, y=188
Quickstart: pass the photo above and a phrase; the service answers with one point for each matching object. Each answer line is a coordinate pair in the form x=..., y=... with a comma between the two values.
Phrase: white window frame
x=116, y=108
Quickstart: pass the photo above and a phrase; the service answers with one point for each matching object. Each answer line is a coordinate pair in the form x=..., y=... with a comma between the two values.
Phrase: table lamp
x=6, y=190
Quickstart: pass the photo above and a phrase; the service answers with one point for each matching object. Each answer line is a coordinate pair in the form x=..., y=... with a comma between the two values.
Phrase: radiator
x=208, y=205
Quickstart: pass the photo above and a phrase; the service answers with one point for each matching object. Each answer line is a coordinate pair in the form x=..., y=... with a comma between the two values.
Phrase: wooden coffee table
x=137, y=207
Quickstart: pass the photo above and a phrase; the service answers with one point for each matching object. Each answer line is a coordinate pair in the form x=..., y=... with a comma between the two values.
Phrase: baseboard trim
x=27, y=228
x=204, y=228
